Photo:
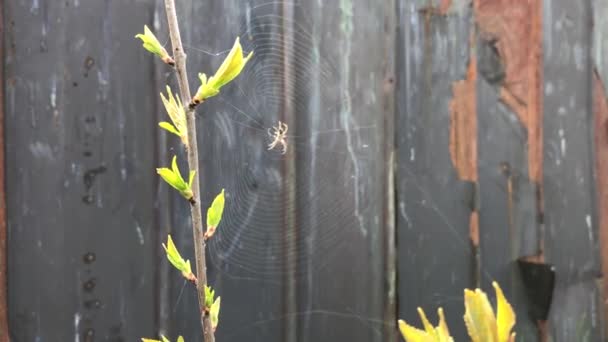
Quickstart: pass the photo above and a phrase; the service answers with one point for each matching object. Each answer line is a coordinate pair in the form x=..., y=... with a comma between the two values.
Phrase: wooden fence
x=432, y=145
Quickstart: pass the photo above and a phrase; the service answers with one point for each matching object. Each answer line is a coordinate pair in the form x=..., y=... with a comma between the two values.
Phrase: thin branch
x=197, y=219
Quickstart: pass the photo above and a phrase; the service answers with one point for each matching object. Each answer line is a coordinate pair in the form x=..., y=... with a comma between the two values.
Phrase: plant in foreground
x=163, y=339
x=151, y=43
x=174, y=178
x=481, y=322
x=176, y=113
x=183, y=125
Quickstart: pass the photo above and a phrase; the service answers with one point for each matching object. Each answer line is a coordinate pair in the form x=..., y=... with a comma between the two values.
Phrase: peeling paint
x=463, y=125
x=515, y=28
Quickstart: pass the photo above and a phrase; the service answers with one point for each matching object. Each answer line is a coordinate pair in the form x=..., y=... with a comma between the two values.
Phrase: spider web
x=328, y=146
x=331, y=149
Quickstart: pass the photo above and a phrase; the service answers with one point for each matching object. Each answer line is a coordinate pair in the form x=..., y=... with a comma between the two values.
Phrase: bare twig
x=197, y=220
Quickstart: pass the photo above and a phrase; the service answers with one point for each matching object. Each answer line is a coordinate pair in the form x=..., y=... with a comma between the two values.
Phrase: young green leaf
x=177, y=261
x=174, y=178
x=169, y=127
x=164, y=339
x=151, y=43
x=214, y=313
x=230, y=69
x=214, y=214
x=175, y=110
x=209, y=295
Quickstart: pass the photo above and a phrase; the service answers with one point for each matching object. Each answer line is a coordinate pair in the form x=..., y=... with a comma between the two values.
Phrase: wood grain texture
x=510, y=147
x=345, y=93
x=600, y=113
x=487, y=143
x=436, y=259
x=570, y=198
x=81, y=203
x=4, y=332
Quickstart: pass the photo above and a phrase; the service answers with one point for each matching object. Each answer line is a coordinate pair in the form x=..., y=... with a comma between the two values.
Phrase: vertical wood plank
x=509, y=50
x=434, y=206
x=81, y=192
x=340, y=106
x=570, y=217
x=600, y=112
x=4, y=333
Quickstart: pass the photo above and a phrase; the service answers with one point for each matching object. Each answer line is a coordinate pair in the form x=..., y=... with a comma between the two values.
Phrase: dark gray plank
x=436, y=259
x=341, y=170
x=4, y=331
x=508, y=225
x=569, y=187
x=81, y=190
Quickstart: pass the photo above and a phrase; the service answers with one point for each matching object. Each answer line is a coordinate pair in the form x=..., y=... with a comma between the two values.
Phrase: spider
x=277, y=133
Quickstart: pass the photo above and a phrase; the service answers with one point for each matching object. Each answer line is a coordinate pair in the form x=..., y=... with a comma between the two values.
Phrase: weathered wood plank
x=508, y=48
x=507, y=219
x=81, y=190
x=341, y=170
x=4, y=333
x=436, y=255
x=569, y=188
x=600, y=112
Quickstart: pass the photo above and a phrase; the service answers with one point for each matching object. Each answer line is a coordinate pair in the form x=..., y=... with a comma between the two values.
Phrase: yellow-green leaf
x=176, y=171
x=205, y=90
x=215, y=211
x=430, y=334
x=231, y=67
x=428, y=327
x=174, y=178
x=479, y=317
x=214, y=313
x=411, y=334
x=505, y=317
x=169, y=127
x=171, y=178
x=164, y=339
x=209, y=296
x=442, y=328
x=151, y=43
x=177, y=114
x=176, y=259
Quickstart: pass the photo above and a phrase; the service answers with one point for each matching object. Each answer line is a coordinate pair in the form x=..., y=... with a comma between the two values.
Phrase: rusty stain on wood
x=4, y=333
x=600, y=114
x=463, y=125
x=515, y=27
x=474, y=228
